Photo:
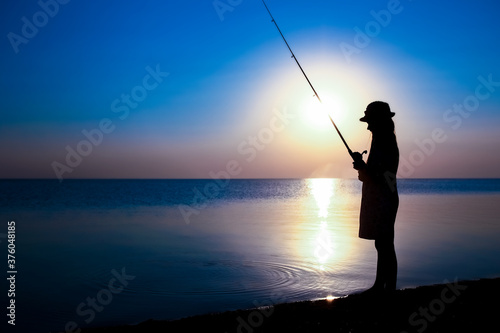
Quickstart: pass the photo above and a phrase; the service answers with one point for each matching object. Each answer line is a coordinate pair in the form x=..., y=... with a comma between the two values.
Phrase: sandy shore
x=463, y=306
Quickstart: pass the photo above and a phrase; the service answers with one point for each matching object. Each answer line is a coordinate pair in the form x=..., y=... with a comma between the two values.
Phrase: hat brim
x=367, y=119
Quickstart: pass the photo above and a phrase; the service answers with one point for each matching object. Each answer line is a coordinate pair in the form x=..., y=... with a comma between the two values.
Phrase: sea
x=112, y=252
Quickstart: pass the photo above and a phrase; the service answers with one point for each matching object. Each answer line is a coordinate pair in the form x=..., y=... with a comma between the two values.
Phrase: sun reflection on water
x=323, y=250
x=322, y=190
x=324, y=239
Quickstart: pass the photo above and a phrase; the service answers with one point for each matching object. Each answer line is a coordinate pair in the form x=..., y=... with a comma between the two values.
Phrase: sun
x=315, y=113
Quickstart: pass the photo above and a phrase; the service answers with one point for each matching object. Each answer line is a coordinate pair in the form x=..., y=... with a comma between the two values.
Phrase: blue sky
x=230, y=75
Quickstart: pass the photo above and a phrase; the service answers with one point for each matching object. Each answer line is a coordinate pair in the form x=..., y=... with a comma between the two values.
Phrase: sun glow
x=330, y=298
x=316, y=113
x=345, y=92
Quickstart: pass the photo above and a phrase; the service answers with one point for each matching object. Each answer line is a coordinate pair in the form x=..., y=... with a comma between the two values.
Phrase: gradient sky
x=233, y=100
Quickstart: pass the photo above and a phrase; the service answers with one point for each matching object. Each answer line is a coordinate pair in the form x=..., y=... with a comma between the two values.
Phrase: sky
x=208, y=89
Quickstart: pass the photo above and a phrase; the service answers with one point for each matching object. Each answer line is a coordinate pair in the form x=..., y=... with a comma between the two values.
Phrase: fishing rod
x=355, y=156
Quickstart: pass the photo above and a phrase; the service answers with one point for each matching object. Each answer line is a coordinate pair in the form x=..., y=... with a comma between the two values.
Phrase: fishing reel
x=358, y=163
x=358, y=157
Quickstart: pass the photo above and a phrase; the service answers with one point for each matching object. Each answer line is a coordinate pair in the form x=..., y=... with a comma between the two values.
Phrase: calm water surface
x=248, y=243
